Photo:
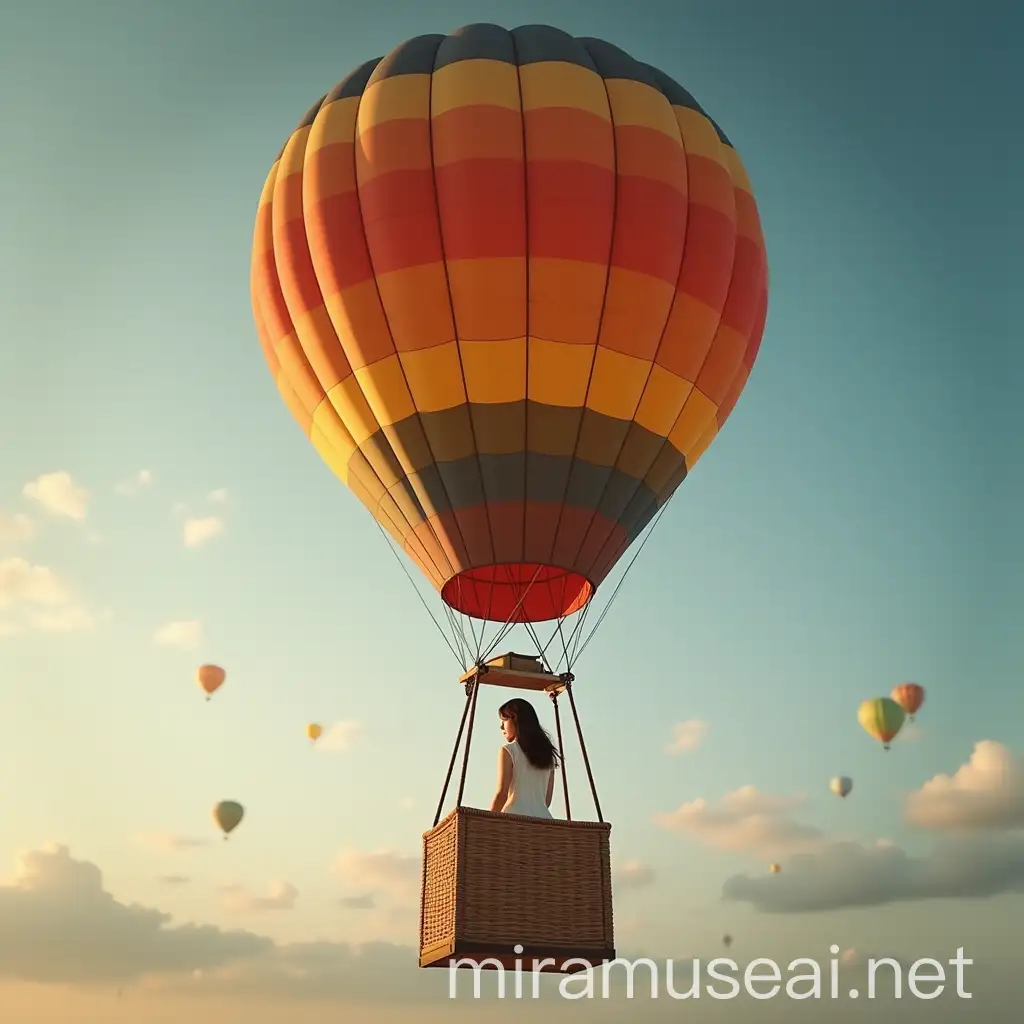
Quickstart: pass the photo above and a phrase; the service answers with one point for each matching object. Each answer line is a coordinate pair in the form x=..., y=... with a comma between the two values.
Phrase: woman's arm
x=551, y=787
x=504, y=780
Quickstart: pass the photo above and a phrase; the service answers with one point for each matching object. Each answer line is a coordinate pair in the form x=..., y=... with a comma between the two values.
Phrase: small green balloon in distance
x=228, y=814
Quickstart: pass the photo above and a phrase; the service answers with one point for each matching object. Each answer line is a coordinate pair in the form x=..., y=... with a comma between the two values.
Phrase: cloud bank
x=745, y=820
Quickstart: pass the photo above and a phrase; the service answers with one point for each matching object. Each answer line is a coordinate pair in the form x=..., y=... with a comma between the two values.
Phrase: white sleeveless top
x=529, y=785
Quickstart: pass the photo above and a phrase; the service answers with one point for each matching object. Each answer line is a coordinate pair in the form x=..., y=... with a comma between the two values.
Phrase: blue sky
x=854, y=526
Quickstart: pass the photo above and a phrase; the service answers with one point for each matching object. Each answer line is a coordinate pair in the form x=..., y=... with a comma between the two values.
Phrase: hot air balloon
x=314, y=731
x=210, y=678
x=882, y=718
x=228, y=815
x=511, y=284
x=910, y=697
x=727, y=941
x=841, y=785
x=775, y=869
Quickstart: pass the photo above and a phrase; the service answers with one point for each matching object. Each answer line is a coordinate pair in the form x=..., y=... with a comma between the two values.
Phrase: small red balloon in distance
x=910, y=697
x=209, y=678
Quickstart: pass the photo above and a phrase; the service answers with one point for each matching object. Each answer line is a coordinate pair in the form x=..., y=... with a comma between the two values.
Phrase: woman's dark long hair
x=530, y=735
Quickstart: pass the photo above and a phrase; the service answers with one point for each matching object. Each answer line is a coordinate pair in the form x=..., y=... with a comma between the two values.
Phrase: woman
x=526, y=763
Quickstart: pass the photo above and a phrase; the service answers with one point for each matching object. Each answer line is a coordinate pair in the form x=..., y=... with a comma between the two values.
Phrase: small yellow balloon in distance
x=228, y=814
x=210, y=678
x=775, y=869
x=314, y=731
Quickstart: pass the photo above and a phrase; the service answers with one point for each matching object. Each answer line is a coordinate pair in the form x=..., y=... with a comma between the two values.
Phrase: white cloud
x=850, y=874
x=59, y=495
x=24, y=583
x=179, y=634
x=279, y=896
x=68, y=620
x=59, y=925
x=16, y=528
x=143, y=478
x=365, y=901
x=987, y=792
x=40, y=599
x=746, y=820
x=169, y=842
x=910, y=733
x=340, y=736
x=379, y=872
x=220, y=495
x=199, y=531
x=633, y=874
x=687, y=736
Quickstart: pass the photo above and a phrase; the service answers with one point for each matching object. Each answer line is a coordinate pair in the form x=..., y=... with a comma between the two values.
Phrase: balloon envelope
x=881, y=718
x=228, y=814
x=511, y=284
x=775, y=869
x=210, y=678
x=841, y=785
x=313, y=731
x=909, y=696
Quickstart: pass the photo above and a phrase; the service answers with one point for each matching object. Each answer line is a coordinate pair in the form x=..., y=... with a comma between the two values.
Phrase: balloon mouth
x=517, y=592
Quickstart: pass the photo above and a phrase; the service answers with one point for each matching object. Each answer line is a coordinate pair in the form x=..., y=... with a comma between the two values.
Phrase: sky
x=855, y=525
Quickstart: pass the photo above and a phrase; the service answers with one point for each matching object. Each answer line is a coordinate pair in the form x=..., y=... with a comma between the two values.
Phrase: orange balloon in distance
x=511, y=284
x=210, y=678
x=910, y=697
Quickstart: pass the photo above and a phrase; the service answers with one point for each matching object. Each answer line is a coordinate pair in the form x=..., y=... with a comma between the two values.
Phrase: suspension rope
x=455, y=752
x=561, y=753
x=440, y=630
x=475, y=684
x=611, y=600
x=511, y=615
x=583, y=747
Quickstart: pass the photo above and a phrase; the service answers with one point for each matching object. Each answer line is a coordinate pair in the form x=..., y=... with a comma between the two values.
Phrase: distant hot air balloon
x=727, y=941
x=227, y=814
x=775, y=869
x=314, y=731
x=910, y=697
x=882, y=718
x=841, y=785
x=210, y=678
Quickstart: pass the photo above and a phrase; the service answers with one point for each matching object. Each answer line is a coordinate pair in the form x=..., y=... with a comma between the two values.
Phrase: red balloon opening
x=517, y=592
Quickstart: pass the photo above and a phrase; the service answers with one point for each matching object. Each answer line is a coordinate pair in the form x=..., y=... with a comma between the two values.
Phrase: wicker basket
x=493, y=881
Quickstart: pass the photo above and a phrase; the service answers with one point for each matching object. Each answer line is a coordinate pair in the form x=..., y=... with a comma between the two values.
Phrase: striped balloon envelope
x=511, y=284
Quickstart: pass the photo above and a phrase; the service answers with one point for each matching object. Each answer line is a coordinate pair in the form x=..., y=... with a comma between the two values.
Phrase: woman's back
x=529, y=789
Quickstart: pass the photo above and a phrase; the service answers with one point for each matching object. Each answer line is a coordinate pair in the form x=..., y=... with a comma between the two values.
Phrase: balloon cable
x=604, y=612
x=412, y=582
